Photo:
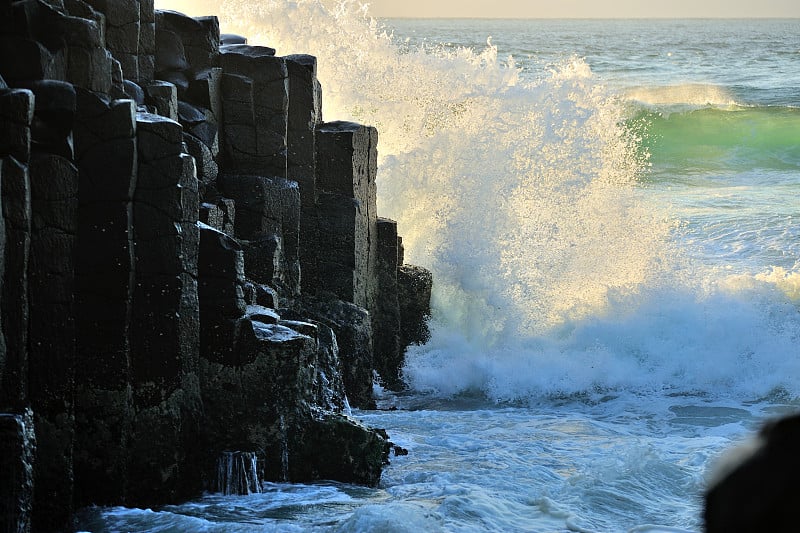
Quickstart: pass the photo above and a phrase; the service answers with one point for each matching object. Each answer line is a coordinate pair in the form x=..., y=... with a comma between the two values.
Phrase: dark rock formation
x=163, y=97
x=191, y=265
x=51, y=292
x=386, y=319
x=232, y=38
x=17, y=452
x=198, y=37
x=305, y=115
x=255, y=96
x=221, y=293
x=353, y=329
x=268, y=224
x=105, y=146
x=414, y=285
x=16, y=114
x=165, y=314
x=760, y=491
x=347, y=195
x=129, y=34
x=349, y=452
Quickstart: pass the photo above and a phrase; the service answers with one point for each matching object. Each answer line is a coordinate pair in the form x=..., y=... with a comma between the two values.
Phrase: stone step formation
x=191, y=263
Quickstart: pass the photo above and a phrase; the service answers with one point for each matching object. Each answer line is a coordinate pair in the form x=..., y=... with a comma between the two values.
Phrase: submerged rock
x=337, y=447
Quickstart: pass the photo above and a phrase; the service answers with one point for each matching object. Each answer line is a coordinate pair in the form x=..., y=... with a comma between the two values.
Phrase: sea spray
x=556, y=271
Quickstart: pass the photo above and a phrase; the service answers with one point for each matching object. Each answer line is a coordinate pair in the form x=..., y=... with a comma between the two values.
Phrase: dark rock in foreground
x=760, y=491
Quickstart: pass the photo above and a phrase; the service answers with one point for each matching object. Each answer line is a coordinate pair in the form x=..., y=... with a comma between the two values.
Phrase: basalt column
x=305, y=114
x=123, y=31
x=147, y=41
x=165, y=320
x=16, y=114
x=51, y=277
x=188, y=57
x=267, y=225
x=3, y=355
x=221, y=292
x=386, y=318
x=105, y=144
x=255, y=97
x=346, y=207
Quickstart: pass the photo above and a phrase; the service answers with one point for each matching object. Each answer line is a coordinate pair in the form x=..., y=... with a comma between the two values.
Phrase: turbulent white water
x=615, y=262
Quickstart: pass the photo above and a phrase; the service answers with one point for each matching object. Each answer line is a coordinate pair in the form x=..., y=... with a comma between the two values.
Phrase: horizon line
x=722, y=17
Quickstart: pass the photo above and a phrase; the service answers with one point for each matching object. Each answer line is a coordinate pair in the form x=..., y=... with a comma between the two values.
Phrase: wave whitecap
x=689, y=94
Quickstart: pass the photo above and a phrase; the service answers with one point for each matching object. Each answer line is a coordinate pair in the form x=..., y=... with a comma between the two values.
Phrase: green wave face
x=719, y=140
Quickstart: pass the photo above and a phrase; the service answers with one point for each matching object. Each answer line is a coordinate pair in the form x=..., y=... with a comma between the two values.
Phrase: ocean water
x=611, y=210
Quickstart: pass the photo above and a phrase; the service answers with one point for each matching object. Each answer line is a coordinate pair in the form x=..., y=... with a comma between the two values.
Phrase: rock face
x=105, y=141
x=51, y=293
x=191, y=265
x=760, y=492
x=386, y=320
x=414, y=285
x=17, y=451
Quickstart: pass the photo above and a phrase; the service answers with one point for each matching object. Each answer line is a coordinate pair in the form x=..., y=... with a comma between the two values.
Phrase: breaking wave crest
x=689, y=94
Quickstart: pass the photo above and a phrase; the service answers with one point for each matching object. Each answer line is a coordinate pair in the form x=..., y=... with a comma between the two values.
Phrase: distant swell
x=713, y=137
x=692, y=94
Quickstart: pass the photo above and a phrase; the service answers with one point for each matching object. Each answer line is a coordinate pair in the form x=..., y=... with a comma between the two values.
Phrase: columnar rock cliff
x=191, y=263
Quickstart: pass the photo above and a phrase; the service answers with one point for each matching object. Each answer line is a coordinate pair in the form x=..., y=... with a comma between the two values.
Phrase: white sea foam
x=693, y=94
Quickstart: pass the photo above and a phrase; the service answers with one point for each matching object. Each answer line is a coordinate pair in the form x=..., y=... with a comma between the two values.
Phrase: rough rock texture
x=17, y=452
x=255, y=98
x=199, y=37
x=268, y=224
x=221, y=293
x=165, y=314
x=414, y=286
x=51, y=291
x=349, y=452
x=105, y=146
x=191, y=264
x=386, y=317
x=305, y=115
x=38, y=42
x=123, y=26
x=353, y=329
x=347, y=196
x=163, y=97
x=16, y=114
x=259, y=390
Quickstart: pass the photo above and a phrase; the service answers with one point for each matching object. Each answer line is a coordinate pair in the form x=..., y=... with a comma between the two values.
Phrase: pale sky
x=585, y=8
